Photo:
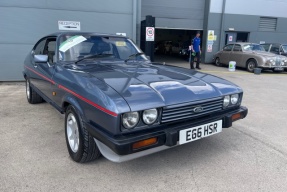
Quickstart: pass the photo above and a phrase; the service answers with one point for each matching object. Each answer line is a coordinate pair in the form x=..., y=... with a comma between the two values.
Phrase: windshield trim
x=135, y=48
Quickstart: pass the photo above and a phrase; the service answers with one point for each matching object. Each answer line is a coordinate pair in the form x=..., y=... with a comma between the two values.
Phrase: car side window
x=281, y=50
x=266, y=46
x=274, y=49
x=39, y=48
x=228, y=47
x=237, y=48
x=49, y=49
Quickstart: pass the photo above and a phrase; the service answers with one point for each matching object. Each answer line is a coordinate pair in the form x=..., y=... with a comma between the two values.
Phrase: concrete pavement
x=250, y=156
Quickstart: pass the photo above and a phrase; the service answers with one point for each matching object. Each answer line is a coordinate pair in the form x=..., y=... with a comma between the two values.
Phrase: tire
x=81, y=145
x=250, y=65
x=32, y=96
x=217, y=62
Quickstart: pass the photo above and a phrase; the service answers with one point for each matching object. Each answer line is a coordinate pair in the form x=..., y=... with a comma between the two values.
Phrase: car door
x=225, y=54
x=236, y=54
x=43, y=72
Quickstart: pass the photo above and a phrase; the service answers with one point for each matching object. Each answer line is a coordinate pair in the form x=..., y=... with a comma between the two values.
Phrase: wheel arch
x=215, y=61
x=70, y=100
x=24, y=75
x=249, y=59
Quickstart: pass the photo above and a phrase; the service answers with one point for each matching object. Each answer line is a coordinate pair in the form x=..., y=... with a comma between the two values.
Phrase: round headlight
x=130, y=120
x=150, y=116
x=226, y=101
x=234, y=99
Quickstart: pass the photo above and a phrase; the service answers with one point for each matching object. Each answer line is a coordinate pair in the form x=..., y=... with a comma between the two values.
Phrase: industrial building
x=220, y=21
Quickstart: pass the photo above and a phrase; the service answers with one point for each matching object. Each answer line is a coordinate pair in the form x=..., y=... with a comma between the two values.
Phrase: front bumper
x=119, y=148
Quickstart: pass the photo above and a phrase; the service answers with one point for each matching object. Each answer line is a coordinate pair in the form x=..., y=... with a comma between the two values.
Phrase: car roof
x=272, y=43
x=57, y=34
x=242, y=43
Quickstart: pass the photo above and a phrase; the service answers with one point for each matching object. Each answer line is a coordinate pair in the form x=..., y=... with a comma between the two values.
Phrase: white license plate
x=195, y=133
x=278, y=69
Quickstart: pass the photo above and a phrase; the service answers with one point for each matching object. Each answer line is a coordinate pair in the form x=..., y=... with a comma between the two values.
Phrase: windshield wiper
x=93, y=56
x=133, y=55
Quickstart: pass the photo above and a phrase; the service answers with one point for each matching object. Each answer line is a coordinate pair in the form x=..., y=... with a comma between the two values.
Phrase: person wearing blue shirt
x=195, y=51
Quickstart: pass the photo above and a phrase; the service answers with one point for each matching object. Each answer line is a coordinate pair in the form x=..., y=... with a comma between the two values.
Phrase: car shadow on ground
x=178, y=157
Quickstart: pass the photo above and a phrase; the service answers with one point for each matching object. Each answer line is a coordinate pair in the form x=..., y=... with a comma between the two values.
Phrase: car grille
x=182, y=112
x=278, y=61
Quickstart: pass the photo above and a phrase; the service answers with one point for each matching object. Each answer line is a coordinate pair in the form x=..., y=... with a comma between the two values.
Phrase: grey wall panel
x=282, y=25
x=24, y=22
x=12, y=59
x=268, y=37
x=34, y=23
x=241, y=22
x=110, y=6
x=272, y=8
x=179, y=23
x=216, y=6
x=250, y=23
x=187, y=14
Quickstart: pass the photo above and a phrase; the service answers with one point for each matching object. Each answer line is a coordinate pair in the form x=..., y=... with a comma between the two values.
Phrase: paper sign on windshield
x=71, y=42
x=120, y=43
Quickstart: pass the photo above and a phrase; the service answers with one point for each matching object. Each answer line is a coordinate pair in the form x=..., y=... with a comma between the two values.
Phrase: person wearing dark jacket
x=195, y=51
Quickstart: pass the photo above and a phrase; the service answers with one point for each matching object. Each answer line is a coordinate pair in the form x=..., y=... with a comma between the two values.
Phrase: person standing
x=195, y=51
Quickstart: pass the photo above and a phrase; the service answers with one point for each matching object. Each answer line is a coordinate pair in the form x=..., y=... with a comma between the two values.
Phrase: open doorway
x=173, y=43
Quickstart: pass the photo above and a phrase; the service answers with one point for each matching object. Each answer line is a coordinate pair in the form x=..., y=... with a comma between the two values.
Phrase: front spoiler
x=119, y=149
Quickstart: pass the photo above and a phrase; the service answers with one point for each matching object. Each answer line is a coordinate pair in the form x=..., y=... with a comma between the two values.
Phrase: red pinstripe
x=75, y=94
x=44, y=77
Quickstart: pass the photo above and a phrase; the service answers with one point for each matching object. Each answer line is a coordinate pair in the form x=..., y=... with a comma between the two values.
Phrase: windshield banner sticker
x=121, y=44
x=71, y=42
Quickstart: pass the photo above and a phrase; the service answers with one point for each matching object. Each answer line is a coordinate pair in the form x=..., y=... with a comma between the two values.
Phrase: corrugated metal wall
x=22, y=23
x=182, y=14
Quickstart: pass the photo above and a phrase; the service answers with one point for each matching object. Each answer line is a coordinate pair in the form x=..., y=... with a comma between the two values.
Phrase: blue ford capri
x=119, y=104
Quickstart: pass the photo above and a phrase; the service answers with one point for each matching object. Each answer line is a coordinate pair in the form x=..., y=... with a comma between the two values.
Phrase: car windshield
x=284, y=47
x=253, y=47
x=77, y=47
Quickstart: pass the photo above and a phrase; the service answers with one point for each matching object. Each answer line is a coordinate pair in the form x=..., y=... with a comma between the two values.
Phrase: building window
x=267, y=24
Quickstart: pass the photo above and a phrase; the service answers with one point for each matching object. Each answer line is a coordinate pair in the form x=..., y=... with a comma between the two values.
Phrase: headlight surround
x=130, y=119
x=149, y=116
x=271, y=61
x=234, y=99
x=226, y=101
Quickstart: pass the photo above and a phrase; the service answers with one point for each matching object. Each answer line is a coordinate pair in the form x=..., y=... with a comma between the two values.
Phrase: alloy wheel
x=73, y=132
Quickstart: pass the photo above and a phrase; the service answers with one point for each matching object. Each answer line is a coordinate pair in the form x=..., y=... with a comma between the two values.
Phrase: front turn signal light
x=236, y=116
x=145, y=143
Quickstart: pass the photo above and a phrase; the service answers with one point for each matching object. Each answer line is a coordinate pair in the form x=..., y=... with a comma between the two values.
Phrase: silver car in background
x=250, y=56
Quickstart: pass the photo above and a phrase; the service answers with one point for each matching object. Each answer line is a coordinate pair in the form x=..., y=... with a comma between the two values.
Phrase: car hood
x=146, y=85
x=262, y=53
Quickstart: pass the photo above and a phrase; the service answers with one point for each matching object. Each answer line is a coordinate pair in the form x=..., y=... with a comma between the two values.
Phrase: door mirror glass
x=41, y=58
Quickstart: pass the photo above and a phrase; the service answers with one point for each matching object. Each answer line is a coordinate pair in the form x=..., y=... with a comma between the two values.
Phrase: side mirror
x=41, y=58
